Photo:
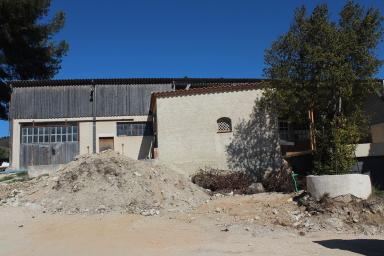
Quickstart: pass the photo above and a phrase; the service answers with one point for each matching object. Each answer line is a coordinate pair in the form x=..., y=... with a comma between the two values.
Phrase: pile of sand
x=111, y=182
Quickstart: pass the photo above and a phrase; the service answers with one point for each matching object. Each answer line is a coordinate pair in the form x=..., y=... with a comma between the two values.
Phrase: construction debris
x=108, y=182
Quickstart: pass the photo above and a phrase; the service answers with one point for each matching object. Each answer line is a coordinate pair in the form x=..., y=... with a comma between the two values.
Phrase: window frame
x=225, y=120
x=142, y=129
x=48, y=133
x=284, y=130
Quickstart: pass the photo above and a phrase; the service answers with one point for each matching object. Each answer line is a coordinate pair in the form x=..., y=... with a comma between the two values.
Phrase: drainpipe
x=93, y=99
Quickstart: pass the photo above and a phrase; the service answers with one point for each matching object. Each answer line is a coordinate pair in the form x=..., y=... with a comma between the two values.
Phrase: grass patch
x=7, y=178
x=15, y=177
x=22, y=174
x=377, y=192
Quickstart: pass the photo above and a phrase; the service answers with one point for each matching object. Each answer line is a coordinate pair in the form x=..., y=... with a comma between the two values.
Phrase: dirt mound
x=111, y=182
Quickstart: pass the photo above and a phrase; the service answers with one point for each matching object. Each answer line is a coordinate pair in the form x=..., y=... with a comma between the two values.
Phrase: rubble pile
x=341, y=213
x=108, y=182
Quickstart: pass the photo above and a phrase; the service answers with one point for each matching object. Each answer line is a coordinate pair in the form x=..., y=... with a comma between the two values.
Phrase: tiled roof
x=217, y=88
x=211, y=89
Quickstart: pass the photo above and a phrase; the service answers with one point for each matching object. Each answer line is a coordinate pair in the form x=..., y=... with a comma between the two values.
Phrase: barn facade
x=188, y=122
x=53, y=121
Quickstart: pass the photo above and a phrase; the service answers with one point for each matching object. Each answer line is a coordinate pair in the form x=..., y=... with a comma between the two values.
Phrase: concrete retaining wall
x=358, y=185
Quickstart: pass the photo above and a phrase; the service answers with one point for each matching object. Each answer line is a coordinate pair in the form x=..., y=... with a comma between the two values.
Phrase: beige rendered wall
x=136, y=147
x=187, y=127
x=15, y=144
x=377, y=132
x=85, y=138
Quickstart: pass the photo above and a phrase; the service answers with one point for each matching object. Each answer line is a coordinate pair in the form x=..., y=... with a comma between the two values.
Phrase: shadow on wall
x=255, y=145
x=145, y=147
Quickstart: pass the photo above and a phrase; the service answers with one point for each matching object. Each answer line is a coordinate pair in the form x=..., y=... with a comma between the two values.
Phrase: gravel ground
x=25, y=232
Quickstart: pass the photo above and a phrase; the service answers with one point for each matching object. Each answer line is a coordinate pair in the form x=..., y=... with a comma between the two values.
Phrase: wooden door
x=105, y=143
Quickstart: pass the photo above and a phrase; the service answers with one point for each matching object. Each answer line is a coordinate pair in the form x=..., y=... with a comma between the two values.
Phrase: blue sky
x=195, y=38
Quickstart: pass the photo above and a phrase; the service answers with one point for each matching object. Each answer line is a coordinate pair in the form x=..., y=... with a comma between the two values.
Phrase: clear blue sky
x=195, y=38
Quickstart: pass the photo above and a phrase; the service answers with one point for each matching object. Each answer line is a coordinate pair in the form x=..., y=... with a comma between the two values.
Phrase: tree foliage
x=326, y=67
x=27, y=49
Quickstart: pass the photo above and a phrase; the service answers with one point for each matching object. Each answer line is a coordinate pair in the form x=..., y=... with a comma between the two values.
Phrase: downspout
x=93, y=98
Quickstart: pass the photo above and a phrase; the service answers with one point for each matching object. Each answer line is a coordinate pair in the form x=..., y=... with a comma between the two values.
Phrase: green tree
x=27, y=50
x=326, y=67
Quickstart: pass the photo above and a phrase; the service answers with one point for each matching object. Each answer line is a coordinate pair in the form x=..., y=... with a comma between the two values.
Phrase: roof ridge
x=153, y=80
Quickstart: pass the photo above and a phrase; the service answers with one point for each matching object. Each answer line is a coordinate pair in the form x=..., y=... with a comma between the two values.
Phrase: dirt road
x=24, y=232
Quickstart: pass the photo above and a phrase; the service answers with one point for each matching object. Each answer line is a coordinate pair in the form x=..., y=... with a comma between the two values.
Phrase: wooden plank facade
x=75, y=101
x=48, y=153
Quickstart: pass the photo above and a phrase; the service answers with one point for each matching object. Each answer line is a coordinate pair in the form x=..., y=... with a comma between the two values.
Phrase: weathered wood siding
x=48, y=153
x=74, y=101
x=51, y=102
x=126, y=100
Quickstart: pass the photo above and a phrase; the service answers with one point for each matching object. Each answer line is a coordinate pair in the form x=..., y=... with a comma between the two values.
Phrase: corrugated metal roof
x=114, y=81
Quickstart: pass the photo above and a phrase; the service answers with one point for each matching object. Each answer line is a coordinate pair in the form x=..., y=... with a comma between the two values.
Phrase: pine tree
x=27, y=50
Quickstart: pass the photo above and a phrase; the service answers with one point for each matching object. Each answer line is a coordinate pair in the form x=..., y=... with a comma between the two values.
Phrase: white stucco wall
x=136, y=147
x=369, y=149
x=187, y=127
x=358, y=185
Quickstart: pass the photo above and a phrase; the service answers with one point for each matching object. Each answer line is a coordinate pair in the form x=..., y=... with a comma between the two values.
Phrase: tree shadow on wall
x=255, y=145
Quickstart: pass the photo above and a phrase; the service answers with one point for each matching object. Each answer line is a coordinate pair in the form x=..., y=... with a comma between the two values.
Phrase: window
x=224, y=124
x=301, y=134
x=284, y=130
x=134, y=129
x=48, y=134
